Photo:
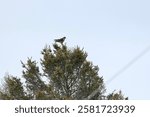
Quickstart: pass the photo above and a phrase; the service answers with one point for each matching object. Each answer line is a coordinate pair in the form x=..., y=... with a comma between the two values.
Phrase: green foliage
x=69, y=73
x=32, y=77
x=13, y=89
x=65, y=74
x=116, y=96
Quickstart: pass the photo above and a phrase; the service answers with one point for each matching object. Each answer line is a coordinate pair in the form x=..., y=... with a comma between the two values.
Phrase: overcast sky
x=113, y=32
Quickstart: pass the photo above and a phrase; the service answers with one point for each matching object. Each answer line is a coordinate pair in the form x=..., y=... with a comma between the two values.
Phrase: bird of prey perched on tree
x=61, y=40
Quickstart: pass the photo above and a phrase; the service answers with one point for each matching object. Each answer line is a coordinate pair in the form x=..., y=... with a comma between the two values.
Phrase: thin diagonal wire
x=129, y=64
x=121, y=71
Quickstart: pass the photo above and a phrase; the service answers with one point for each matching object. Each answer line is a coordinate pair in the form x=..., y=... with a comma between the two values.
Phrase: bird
x=61, y=40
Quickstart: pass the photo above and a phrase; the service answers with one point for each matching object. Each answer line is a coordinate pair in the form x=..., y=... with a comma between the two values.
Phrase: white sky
x=113, y=32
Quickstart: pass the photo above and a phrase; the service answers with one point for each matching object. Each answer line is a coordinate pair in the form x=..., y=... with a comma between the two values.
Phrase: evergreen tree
x=65, y=74
x=12, y=89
